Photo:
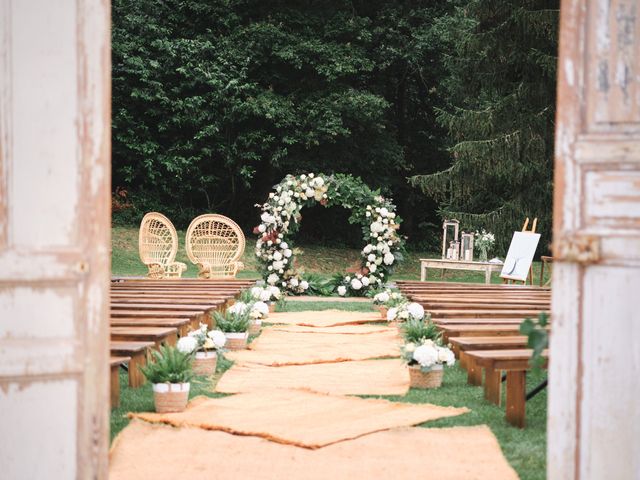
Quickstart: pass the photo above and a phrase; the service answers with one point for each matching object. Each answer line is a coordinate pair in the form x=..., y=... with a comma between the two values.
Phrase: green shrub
x=232, y=322
x=416, y=331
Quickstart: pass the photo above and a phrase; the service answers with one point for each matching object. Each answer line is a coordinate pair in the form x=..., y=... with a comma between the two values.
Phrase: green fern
x=416, y=331
x=168, y=365
x=232, y=322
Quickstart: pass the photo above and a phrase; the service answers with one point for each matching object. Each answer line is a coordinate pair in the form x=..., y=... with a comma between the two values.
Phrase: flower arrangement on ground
x=170, y=372
x=269, y=294
x=208, y=344
x=386, y=299
x=425, y=354
x=235, y=323
x=405, y=311
x=484, y=242
x=353, y=285
x=281, y=215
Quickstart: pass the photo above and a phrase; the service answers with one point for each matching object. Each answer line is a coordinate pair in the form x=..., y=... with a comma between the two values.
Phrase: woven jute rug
x=279, y=348
x=301, y=418
x=367, y=377
x=360, y=329
x=324, y=318
x=160, y=452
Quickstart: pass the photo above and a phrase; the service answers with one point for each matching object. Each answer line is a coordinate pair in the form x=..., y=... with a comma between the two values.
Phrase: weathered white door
x=54, y=238
x=594, y=391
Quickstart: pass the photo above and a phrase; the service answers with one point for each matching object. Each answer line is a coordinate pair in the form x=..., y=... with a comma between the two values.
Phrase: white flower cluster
x=430, y=353
x=202, y=339
x=266, y=294
x=282, y=208
x=257, y=310
x=484, y=239
x=388, y=298
x=356, y=283
x=406, y=311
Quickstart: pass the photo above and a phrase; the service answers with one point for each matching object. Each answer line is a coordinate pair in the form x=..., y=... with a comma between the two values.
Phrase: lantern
x=466, y=252
x=447, y=227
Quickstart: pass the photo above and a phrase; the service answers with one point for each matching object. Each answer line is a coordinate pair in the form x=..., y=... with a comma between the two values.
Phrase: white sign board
x=520, y=255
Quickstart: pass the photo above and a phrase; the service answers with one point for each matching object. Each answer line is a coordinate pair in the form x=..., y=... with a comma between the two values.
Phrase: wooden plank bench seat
x=478, y=321
x=515, y=363
x=137, y=351
x=478, y=330
x=182, y=325
x=484, y=313
x=195, y=317
x=114, y=363
x=157, y=335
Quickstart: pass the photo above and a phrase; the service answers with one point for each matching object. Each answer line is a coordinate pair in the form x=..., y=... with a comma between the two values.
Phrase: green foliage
x=318, y=285
x=168, y=365
x=416, y=331
x=232, y=322
x=538, y=337
x=500, y=89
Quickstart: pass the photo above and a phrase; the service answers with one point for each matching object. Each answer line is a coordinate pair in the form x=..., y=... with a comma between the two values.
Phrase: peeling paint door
x=594, y=390
x=54, y=238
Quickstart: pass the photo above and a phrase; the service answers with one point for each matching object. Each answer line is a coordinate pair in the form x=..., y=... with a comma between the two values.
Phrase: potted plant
x=269, y=294
x=484, y=241
x=387, y=299
x=424, y=353
x=235, y=325
x=405, y=311
x=209, y=343
x=170, y=373
x=257, y=312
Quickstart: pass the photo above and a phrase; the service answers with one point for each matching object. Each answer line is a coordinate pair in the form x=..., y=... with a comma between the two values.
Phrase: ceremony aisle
x=294, y=415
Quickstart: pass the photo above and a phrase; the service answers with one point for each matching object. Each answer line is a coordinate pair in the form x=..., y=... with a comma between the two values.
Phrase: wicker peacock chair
x=215, y=243
x=158, y=245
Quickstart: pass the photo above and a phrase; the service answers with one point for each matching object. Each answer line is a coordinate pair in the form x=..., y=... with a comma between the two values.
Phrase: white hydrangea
x=310, y=192
x=416, y=310
x=371, y=257
x=384, y=212
x=426, y=355
x=284, y=245
x=356, y=284
x=273, y=278
x=256, y=292
x=218, y=337
x=187, y=344
x=288, y=253
x=365, y=281
x=392, y=313
x=368, y=248
x=275, y=292
x=373, y=267
x=445, y=355
x=238, y=308
x=377, y=227
x=304, y=285
x=261, y=307
x=388, y=258
x=278, y=265
x=265, y=295
x=277, y=256
x=294, y=282
x=382, y=297
x=342, y=290
x=267, y=218
x=262, y=228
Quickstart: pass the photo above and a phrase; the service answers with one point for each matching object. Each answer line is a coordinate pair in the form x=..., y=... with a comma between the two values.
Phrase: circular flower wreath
x=280, y=220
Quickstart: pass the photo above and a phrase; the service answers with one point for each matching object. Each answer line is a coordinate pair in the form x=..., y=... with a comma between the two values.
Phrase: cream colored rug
x=367, y=377
x=298, y=417
x=361, y=329
x=160, y=452
x=324, y=318
x=278, y=348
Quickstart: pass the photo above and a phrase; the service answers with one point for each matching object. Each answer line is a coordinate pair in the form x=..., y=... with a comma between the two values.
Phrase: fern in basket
x=233, y=322
x=168, y=365
x=416, y=331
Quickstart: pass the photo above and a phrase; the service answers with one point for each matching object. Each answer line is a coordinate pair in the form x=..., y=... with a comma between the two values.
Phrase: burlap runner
x=278, y=348
x=160, y=452
x=367, y=377
x=324, y=318
x=301, y=418
x=361, y=329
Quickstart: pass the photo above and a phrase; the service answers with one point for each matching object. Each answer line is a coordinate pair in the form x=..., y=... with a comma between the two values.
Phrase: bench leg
x=183, y=330
x=171, y=339
x=492, y=385
x=463, y=359
x=516, y=384
x=115, y=386
x=474, y=373
x=136, y=379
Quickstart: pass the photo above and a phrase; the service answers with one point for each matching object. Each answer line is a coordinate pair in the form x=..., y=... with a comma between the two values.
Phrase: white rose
x=383, y=297
x=277, y=256
x=265, y=296
x=376, y=227
x=446, y=356
x=238, y=308
x=187, y=344
x=391, y=313
x=388, y=258
x=218, y=337
x=261, y=307
x=278, y=265
x=368, y=248
x=267, y=218
x=273, y=278
x=275, y=291
x=256, y=292
x=356, y=284
x=284, y=245
x=342, y=290
x=425, y=355
x=310, y=192
x=384, y=212
x=373, y=268
x=262, y=228
x=365, y=281
x=371, y=257
x=410, y=347
x=416, y=310
x=288, y=253
x=304, y=285
x=294, y=282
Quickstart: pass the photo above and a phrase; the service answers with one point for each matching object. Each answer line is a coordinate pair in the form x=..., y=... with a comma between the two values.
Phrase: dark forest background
x=447, y=106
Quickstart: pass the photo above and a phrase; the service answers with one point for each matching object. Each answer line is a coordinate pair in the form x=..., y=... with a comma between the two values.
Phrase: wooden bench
x=475, y=313
x=515, y=363
x=478, y=330
x=157, y=335
x=137, y=351
x=115, y=363
x=181, y=324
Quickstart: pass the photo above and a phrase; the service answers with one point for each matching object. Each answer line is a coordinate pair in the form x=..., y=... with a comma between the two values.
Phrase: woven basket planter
x=254, y=327
x=429, y=379
x=236, y=341
x=205, y=363
x=170, y=397
x=272, y=307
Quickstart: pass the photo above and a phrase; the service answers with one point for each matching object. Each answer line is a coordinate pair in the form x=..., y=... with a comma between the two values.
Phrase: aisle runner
x=368, y=377
x=160, y=452
x=325, y=318
x=296, y=417
x=361, y=329
x=278, y=348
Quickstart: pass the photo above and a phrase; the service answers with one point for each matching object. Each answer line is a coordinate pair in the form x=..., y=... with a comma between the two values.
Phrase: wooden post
x=516, y=401
x=593, y=416
x=493, y=385
x=55, y=163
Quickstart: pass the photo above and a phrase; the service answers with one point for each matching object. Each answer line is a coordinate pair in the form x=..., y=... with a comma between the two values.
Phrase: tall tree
x=500, y=90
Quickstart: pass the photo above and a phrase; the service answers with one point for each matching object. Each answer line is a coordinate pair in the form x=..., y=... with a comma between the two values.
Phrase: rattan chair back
x=158, y=245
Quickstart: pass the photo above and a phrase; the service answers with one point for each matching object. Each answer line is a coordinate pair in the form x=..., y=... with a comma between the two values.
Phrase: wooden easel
x=534, y=225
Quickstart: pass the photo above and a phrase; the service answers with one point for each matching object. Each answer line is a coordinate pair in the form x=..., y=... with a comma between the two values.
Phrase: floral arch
x=280, y=220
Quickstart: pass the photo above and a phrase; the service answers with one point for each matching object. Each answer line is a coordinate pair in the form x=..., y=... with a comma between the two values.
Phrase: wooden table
x=441, y=264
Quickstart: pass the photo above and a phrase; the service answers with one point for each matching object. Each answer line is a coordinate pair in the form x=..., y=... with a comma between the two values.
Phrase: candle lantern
x=466, y=252
x=449, y=227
